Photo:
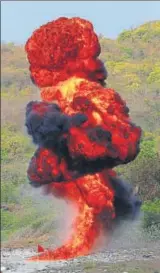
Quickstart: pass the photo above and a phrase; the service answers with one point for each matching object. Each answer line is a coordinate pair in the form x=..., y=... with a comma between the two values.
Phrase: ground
x=143, y=259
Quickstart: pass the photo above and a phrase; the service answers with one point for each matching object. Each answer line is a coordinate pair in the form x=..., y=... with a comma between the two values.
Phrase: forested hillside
x=133, y=65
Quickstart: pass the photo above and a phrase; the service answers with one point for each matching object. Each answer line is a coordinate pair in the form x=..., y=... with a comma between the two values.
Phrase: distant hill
x=147, y=32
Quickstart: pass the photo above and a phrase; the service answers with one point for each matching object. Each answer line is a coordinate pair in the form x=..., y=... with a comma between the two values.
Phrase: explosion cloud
x=82, y=129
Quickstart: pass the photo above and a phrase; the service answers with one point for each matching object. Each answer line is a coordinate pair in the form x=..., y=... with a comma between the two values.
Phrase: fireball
x=82, y=129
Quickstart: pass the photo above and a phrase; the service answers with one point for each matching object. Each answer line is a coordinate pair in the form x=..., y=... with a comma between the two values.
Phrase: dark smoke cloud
x=127, y=203
x=47, y=124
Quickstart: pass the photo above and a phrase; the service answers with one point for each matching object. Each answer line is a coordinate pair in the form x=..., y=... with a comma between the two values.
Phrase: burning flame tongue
x=81, y=137
x=40, y=249
x=87, y=226
x=85, y=231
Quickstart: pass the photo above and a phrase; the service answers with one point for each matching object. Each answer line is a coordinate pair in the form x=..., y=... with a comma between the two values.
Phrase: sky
x=20, y=18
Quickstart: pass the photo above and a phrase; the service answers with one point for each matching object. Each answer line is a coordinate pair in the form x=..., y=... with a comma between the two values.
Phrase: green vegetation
x=15, y=144
x=151, y=221
x=134, y=71
x=128, y=267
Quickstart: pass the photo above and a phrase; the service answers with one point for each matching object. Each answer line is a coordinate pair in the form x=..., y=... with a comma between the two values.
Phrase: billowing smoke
x=82, y=131
x=47, y=124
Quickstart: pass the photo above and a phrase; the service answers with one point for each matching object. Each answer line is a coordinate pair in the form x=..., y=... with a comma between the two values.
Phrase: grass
x=152, y=266
x=26, y=220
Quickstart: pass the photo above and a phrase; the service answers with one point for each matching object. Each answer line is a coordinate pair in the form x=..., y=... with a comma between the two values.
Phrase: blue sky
x=20, y=18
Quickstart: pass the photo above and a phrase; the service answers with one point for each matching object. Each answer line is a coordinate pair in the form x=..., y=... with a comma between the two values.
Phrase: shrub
x=14, y=144
x=151, y=219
